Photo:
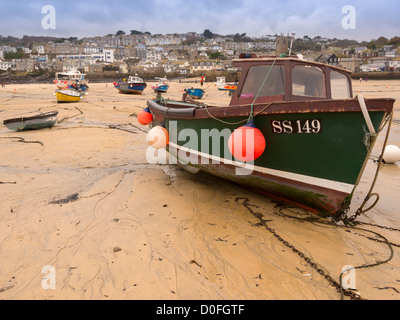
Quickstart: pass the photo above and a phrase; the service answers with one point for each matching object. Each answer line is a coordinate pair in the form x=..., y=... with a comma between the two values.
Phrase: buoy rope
x=243, y=121
x=259, y=91
x=361, y=210
x=252, y=114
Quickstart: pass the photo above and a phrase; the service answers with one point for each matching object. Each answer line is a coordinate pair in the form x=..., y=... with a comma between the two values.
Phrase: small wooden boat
x=68, y=96
x=134, y=85
x=195, y=93
x=41, y=121
x=162, y=86
x=316, y=137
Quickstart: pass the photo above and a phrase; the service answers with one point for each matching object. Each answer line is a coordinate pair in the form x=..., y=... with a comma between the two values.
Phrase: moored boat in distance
x=69, y=96
x=134, y=85
x=37, y=122
x=223, y=86
x=71, y=79
x=195, y=93
x=162, y=86
x=317, y=136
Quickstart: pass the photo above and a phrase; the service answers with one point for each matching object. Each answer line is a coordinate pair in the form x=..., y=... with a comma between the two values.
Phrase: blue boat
x=80, y=87
x=134, y=85
x=162, y=86
x=195, y=93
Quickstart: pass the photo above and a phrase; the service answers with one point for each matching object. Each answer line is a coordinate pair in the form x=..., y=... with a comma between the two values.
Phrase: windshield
x=340, y=86
x=274, y=85
x=308, y=81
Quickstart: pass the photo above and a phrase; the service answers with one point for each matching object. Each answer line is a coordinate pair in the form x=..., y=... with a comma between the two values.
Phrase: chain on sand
x=348, y=293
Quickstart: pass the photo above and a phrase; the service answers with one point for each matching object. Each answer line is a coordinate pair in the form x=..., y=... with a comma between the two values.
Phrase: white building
x=5, y=65
x=104, y=56
x=39, y=49
x=394, y=65
x=109, y=55
x=163, y=41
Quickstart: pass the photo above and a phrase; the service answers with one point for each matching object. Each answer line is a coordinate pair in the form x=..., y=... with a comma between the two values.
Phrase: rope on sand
x=19, y=139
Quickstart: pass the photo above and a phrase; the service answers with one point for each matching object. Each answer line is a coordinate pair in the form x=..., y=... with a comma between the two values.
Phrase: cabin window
x=340, y=86
x=308, y=81
x=273, y=86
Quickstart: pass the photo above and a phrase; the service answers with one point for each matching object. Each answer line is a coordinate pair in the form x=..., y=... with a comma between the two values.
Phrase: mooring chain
x=376, y=240
x=352, y=295
x=377, y=226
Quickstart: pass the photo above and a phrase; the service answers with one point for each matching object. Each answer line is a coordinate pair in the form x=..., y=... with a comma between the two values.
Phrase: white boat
x=223, y=86
x=220, y=83
x=71, y=79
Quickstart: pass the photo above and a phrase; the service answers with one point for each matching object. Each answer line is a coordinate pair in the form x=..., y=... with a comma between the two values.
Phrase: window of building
x=340, y=86
x=308, y=81
x=274, y=85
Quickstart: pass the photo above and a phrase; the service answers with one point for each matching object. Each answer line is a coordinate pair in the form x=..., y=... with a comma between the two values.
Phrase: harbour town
x=199, y=166
x=181, y=55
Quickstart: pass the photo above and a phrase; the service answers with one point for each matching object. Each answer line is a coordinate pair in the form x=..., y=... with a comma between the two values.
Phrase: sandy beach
x=81, y=198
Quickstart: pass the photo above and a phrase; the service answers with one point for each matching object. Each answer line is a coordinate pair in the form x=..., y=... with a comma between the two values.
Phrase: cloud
x=254, y=17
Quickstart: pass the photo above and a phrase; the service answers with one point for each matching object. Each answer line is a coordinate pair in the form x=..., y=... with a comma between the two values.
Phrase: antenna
x=291, y=42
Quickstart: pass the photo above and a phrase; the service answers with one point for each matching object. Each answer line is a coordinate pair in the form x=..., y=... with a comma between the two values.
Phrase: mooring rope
x=259, y=91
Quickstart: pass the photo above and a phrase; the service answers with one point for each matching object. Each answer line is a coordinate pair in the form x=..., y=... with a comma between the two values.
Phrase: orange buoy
x=158, y=137
x=145, y=117
x=247, y=143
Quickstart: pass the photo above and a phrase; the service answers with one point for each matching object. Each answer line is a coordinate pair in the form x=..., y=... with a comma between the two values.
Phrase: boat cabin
x=135, y=79
x=69, y=76
x=269, y=79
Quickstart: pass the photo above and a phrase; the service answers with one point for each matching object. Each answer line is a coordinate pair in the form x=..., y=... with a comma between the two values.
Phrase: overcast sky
x=254, y=17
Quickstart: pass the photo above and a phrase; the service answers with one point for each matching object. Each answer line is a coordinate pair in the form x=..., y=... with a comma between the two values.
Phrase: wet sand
x=85, y=201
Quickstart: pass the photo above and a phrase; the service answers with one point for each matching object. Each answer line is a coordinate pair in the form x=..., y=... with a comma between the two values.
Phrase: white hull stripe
x=324, y=183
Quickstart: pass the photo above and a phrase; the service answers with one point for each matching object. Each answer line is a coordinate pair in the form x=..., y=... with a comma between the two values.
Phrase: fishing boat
x=223, y=86
x=314, y=138
x=162, y=86
x=195, y=93
x=71, y=79
x=41, y=121
x=134, y=85
x=220, y=83
x=69, y=95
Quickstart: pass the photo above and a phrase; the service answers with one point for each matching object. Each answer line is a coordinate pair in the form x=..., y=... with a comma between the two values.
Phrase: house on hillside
x=351, y=64
x=204, y=66
x=394, y=65
x=328, y=59
x=5, y=65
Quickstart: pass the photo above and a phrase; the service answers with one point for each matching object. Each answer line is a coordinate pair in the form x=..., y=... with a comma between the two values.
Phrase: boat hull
x=316, y=170
x=68, y=96
x=195, y=93
x=43, y=121
x=161, y=89
x=131, y=88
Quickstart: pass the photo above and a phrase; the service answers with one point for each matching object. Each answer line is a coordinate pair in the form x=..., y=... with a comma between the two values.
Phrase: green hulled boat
x=37, y=122
x=318, y=135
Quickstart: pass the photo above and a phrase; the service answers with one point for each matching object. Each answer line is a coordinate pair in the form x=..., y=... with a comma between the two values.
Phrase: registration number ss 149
x=297, y=126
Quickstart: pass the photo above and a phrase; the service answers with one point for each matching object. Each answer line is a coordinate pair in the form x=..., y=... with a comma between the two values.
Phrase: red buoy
x=247, y=143
x=145, y=117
